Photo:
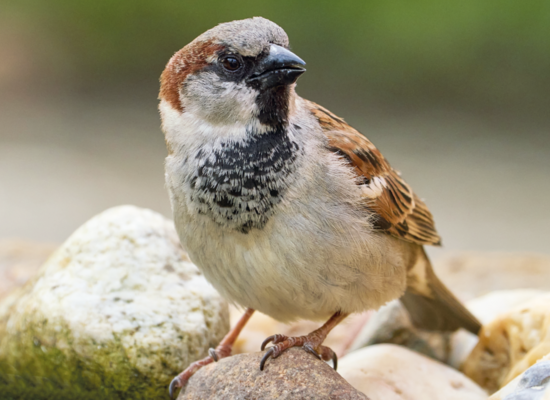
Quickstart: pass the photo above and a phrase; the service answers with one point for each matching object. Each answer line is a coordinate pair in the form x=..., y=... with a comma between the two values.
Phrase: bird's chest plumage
x=238, y=184
x=275, y=229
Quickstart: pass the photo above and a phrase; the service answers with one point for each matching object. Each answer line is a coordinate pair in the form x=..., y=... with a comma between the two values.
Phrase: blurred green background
x=455, y=93
x=477, y=53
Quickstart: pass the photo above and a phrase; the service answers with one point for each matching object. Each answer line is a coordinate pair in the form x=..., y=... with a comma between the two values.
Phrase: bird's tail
x=431, y=305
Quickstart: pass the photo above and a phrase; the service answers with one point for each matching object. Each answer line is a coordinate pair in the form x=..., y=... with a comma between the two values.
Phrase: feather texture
x=397, y=209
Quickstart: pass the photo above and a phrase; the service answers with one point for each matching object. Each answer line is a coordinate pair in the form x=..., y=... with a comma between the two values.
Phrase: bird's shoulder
x=397, y=209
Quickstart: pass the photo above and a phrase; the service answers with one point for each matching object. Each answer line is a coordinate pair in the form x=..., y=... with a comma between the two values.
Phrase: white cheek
x=188, y=130
x=244, y=101
x=171, y=121
x=219, y=102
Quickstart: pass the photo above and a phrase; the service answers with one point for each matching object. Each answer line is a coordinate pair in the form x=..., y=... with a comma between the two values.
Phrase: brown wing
x=398, y=210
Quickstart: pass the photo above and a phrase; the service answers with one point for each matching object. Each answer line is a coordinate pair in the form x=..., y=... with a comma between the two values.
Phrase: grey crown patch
x=239, y=184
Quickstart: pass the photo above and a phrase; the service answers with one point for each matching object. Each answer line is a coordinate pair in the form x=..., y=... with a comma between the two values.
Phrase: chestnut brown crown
x=229, y=60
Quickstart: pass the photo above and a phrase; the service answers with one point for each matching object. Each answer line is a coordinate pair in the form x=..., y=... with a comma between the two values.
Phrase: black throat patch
x=238, y=184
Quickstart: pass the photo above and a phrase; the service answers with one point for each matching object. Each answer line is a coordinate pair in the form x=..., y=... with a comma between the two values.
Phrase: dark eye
x=231, y=63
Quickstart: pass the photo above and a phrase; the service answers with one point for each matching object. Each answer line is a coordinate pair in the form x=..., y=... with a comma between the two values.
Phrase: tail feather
x=431, y=305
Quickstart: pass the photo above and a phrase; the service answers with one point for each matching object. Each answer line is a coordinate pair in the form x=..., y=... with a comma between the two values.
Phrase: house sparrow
x=284, y=207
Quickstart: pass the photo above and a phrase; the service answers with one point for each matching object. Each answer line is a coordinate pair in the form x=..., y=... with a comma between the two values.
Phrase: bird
x=283, y=206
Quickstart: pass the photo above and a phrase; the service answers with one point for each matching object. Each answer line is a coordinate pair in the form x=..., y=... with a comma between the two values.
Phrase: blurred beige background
x=455, y=94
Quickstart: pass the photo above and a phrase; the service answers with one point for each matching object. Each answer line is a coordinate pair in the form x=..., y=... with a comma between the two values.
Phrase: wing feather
x=397, y=209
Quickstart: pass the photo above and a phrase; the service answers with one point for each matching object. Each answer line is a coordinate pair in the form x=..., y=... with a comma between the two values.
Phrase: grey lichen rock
x=533, y=384
x=295, y=374
x=116, y=312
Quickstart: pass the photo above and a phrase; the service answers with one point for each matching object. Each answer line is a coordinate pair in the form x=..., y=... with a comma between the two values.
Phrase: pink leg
x=223, y=350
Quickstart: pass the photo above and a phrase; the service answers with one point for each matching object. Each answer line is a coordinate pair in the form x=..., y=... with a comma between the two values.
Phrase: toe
x=212, y=353
x=267, y=354
x=266, y=342
x=307, y=347
x=174, y=385
x=273, y=338
x=327, y=354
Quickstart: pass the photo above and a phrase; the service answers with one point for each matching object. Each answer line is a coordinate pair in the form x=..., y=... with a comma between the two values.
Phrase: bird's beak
x=280, y=67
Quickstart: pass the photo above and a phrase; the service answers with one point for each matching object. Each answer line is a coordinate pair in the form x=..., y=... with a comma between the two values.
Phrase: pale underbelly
x=297, y=267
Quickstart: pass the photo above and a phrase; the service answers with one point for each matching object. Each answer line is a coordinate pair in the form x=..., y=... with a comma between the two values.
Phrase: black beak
x=280, y=67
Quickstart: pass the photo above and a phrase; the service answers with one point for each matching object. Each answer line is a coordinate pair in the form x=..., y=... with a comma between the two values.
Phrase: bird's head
x=239, y=72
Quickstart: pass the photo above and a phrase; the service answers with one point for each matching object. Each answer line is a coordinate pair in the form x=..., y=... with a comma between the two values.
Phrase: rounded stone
x=295, y=374
x=511, y=342
x=390, y=372
x=118, y=309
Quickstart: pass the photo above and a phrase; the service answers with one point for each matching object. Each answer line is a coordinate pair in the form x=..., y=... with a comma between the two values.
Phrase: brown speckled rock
x=293, y=375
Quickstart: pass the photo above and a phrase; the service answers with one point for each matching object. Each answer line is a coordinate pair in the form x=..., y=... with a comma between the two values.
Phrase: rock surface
x=389, y=372
x=295, y=374
x=392, y=324
x=533, y=384
x=468, y=275
x=489, y=306
x=116, y=312
x=485, y=308
x=511, y=343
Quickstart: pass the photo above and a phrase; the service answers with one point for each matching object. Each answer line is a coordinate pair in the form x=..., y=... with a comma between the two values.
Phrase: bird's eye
x=231, y=63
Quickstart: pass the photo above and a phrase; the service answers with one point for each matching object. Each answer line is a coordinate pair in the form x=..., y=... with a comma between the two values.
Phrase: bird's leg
x=223, y=350
x=311, y=342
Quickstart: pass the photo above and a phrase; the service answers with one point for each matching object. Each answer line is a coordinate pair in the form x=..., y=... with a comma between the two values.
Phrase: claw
x=312, y=342
x=212, y=353
x=174, y=385
x=267, y=341
x=267, y=354
x=311, y=350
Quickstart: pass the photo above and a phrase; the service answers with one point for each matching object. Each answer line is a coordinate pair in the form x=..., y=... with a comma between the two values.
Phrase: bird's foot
x=222, y=351
x=310, y=343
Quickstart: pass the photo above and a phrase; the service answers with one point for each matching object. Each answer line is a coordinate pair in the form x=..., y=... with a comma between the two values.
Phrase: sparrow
x=284, y=207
